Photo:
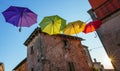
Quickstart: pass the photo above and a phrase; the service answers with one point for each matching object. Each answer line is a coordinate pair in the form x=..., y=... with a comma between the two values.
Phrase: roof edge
x=20, y=63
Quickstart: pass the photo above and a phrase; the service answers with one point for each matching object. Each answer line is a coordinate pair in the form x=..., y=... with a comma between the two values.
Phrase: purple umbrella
x=20, y=16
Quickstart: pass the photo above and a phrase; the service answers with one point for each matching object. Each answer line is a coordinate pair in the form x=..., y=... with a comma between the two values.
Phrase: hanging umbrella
x=52, y=24
x=20, y=16
x=92, y=26
x=74, y=27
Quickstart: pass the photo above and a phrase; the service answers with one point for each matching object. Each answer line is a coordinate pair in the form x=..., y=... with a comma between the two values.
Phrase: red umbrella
x=92, y=26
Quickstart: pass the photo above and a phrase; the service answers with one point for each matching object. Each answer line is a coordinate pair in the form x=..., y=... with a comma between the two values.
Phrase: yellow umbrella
x=74, y=27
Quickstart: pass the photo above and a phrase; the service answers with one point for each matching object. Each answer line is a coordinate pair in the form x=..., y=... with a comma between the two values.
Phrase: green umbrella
x=52, y=24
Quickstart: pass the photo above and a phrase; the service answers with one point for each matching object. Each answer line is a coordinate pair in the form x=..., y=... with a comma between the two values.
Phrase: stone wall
x=109, y=34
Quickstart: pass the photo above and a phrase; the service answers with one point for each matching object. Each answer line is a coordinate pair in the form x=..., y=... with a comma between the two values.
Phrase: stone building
x=55, y=53
x=1, y=67
x=21, y=66
x=108, y=11
x=109, y=70
x=90, y=63
x=98, y=65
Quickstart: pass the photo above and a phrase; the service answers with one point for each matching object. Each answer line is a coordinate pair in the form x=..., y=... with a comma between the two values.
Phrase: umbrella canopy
x=20, y=16
x=52, y=24
x=74, y=27
x=92, y=26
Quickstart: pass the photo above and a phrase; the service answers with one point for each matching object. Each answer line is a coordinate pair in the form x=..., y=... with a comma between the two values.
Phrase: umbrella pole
x=20, y=29
x=76, y=34
x=53, y=28
x=95, y=35
x=53, y=25
x=20, y=26
x=20, y=22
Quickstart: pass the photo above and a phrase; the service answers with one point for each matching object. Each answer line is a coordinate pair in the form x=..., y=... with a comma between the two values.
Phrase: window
x=119, y=1
x=32, y=69
x=118, y=44
x=32, y=51
x=65, y=42
x=94, y=14
x=101, y=69
x=38, y=60
x=71, y=66
x=19, y=69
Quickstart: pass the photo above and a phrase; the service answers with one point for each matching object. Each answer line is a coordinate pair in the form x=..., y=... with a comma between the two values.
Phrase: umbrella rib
x=53, y=28
x=53, y=24
x=56, y=27
x=74, y=30
x=31, y=17
x=25, y=18
x=20, y=25
x=10, y=17
x=20, y=21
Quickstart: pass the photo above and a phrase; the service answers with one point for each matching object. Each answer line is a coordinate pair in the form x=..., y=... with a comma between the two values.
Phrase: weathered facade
x=109, y=69
x=21, y=66
x=98, y=65
x=55, y=53
x=89, y=60
x=109, y=12
x=1, y=67
x=110, y=36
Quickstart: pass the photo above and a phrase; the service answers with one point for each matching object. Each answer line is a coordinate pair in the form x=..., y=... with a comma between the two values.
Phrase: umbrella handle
x=95, y=35
x=20, y=29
